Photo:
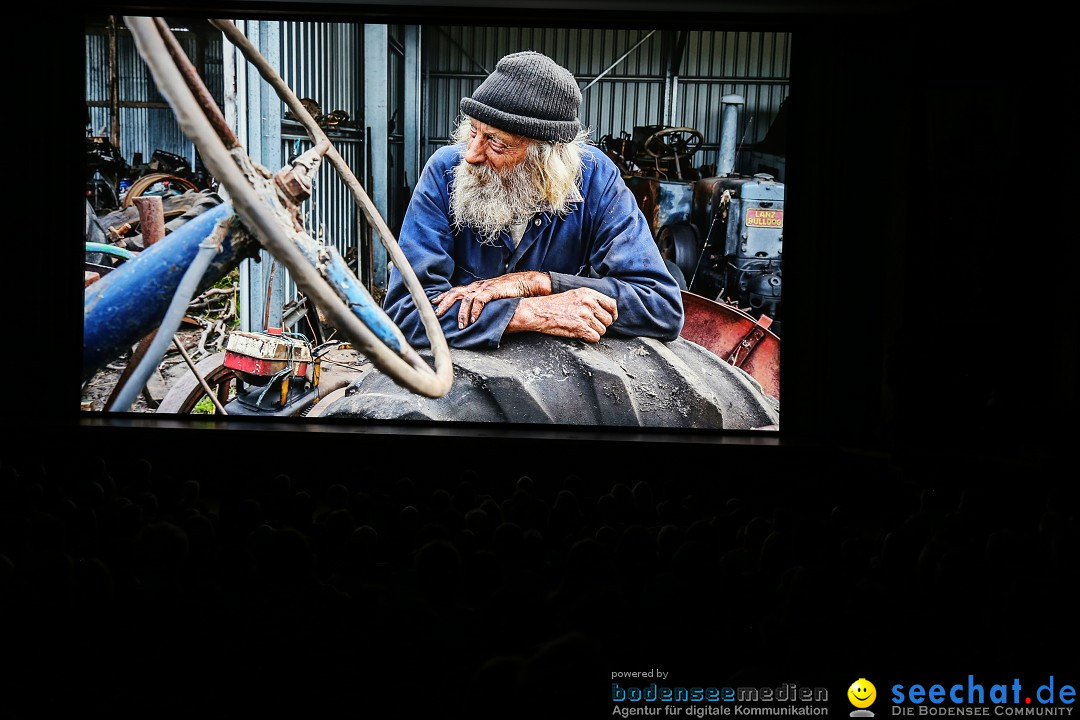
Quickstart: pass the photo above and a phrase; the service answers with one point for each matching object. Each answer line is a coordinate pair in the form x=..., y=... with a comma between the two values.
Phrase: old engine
x=720, y=232
x=738, y=257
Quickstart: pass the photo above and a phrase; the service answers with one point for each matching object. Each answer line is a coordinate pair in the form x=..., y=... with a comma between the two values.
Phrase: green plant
x=205, y=406
x=230, y=280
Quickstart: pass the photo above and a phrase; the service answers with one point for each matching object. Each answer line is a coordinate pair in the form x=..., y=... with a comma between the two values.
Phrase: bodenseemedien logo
x=862, y=694
x=680, y=700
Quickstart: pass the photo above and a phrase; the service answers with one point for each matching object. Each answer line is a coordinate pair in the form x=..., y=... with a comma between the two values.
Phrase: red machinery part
x=735, y=336
x=260, y=367
x=260, y=356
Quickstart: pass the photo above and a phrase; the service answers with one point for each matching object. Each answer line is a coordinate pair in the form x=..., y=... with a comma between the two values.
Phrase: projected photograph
x=348, y=222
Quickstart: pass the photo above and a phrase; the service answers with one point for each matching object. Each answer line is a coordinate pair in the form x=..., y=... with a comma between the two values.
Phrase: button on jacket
x=604, y=243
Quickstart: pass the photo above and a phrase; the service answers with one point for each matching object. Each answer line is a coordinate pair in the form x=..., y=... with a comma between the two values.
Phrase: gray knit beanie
x=528, y=94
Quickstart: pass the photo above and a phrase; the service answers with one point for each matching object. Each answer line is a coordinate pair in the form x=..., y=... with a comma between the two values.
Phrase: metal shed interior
x=387, y=96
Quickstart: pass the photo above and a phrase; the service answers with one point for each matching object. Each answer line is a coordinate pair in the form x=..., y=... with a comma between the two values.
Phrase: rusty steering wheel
x=679, y=143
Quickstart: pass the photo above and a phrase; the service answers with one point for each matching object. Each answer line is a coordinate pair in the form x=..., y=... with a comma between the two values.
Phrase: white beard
x=489, y=201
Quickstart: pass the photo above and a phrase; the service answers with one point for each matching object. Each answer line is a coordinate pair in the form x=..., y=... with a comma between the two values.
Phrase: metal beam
x=376, y=117
x=255, y=111
x=613, y=65
x=411, y=128
x=675, y=47
x=114, y=88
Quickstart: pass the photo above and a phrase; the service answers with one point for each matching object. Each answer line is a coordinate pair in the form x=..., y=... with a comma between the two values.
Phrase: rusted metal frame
x=114, y=87
x=443, y=374
x=295, y=186
x=269, y=294
x=148, y=181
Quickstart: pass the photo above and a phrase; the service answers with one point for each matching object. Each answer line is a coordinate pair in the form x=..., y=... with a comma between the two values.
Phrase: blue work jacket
x=604, y=243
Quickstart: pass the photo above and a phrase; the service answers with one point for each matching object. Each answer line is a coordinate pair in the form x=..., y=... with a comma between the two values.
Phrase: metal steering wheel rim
x=256, y=209
x=672, y=151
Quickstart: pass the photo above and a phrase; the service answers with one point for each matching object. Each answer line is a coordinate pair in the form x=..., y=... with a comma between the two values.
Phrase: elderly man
x=521, y=226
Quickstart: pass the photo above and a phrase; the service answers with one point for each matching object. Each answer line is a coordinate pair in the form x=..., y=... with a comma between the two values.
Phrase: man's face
x=497, y=149
x=495, y=182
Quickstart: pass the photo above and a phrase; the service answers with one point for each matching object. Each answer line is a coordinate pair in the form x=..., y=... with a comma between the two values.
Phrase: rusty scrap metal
x=146, y=182
x=151, y=218
x=662, y=202
x=116, y=233
x=735, y=336
x=746, y=345
x=299, y=176
x=294, y=182
x=379, y=338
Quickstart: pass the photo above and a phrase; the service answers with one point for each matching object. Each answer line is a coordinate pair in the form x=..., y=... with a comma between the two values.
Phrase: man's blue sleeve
x=427, y=241
x=625, y=257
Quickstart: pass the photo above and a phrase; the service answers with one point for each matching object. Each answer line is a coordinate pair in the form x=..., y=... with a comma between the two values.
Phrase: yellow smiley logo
x=862, y=693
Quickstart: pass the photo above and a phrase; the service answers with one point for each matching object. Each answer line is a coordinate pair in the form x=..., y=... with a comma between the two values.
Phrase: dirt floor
x=339, y=367
x=96, y=392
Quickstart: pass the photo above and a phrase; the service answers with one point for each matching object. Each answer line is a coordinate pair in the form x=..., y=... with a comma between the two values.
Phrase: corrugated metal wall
x=147, y=122
x=755, y=65
x=322, y=61
x=632, y=91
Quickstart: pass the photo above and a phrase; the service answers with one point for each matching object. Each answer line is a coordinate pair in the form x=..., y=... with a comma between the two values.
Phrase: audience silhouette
x=129, y=588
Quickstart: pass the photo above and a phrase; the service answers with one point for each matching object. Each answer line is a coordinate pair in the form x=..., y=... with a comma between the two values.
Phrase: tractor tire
x=534, y=378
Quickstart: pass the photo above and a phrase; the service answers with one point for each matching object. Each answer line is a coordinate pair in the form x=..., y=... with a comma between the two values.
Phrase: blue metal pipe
x=328, y=261
x=174, y=315
x=125, y=305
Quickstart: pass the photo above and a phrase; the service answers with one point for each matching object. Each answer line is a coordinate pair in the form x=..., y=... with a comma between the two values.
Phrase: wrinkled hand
x=581, y=313
x=475, y=296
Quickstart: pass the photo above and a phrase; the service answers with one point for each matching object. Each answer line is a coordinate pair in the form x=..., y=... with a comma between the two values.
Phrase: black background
x=925, y=526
